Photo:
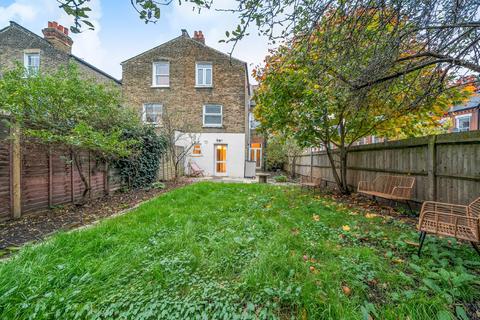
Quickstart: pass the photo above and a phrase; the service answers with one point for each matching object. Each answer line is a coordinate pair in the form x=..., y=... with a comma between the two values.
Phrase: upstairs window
x=204, y=74
x=31, y=62
x=212, y=116
x=161, y=74
x=462, y=122
x=152, y=113
x=254, y=124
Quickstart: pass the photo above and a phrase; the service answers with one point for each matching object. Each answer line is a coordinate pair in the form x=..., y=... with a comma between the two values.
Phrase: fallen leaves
x=346, y=290
x=316, y=217
x=371, y=215
x=346, y=228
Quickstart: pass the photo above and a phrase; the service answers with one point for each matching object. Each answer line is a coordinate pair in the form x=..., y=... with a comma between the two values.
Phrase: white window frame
x=461, y=116
x=144, y=113
x=203, y=85
x=212, y=114
x=154, y=74
x=28, y=69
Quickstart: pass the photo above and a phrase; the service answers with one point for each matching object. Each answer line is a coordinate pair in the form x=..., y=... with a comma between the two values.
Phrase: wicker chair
x=453, y=220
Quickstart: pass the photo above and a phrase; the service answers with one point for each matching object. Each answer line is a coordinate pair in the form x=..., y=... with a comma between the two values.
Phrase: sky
x=119, y=33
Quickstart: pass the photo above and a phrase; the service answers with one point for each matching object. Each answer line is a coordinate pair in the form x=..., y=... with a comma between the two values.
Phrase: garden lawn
x=248, y=251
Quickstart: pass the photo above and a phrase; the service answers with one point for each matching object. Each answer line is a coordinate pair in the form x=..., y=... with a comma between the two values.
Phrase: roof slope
x=187, y=37
x=471, y=103
x=79, y=60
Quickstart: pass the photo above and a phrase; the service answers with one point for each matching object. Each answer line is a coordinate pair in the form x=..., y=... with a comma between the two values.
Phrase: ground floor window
x=256, y=154
x=197, y=150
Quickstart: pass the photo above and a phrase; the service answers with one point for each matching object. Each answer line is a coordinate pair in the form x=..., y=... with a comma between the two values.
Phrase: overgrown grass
x=214, y=250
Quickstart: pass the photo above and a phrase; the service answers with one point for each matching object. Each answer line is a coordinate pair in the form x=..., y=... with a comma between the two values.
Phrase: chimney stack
x=57, y=35
x=198, y=36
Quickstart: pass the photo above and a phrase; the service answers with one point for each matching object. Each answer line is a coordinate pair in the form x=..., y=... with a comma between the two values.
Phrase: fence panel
x=49, y=177
x=446, y=167
x=5, y=190
x=34, y=177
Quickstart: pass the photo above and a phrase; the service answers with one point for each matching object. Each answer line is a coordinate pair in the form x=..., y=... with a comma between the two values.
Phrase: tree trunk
x=340, y=180
x=343, y=170
x=294, y=167
x=78, y=165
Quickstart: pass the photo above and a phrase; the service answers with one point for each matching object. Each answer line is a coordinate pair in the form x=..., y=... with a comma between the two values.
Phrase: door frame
x=220, y=174
x=255, y=155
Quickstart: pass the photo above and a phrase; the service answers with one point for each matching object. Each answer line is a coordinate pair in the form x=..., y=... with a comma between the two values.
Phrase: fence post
x=431, y=168
x=72, y=191
x=50, y=178
x=16, y=172
x=311, y=164
x=106, y=179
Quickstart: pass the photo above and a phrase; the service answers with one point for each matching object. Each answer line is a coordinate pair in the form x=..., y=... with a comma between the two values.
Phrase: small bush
x=140, y=169
x=158, y=185
x=281, y=178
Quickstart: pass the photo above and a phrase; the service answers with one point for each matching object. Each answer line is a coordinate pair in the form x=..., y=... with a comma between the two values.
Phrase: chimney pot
x=57, y=35
x=198, y=36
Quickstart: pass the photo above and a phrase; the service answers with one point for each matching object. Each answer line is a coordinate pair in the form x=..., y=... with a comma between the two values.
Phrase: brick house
x=18, y=44
x=206, y=90
x=466, y=117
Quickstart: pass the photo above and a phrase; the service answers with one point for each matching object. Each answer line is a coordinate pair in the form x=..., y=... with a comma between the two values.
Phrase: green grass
x=214, y=250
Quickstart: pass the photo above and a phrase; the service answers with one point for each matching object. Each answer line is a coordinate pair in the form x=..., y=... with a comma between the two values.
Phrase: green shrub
x=140, y=169
x=281, y=178
x=158, y=185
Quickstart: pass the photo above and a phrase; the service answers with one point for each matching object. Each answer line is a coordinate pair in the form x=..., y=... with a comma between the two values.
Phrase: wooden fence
x=35, y=178
x=446, y=167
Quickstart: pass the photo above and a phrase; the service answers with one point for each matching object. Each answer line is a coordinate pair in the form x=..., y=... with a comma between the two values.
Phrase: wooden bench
x=394, y=188
x=310, y=182
x=452, y=220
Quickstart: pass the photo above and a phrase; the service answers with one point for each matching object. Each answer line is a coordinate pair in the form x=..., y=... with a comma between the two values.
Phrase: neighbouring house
x=203, y=92
x=54, y=49
x=466, y=117
x=257, y=141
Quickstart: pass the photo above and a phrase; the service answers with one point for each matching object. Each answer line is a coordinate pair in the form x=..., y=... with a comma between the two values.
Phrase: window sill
x=196, y=155
x=164, y=87
x=212, y=127
x=203, y=87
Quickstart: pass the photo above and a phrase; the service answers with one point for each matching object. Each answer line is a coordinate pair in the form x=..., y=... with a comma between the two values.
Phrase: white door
x=220, y=159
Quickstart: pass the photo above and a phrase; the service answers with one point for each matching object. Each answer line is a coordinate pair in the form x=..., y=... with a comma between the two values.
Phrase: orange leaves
x=346, y=228
x=346, y=290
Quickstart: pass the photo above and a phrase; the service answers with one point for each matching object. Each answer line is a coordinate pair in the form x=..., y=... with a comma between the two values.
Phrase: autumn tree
x=307, y=87
x=64, y=108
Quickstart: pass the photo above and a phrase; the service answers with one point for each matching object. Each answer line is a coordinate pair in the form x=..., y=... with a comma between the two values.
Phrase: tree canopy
x=306, y=87
x=449, y=31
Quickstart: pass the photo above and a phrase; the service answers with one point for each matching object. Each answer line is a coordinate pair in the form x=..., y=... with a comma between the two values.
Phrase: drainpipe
x=264, y=153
